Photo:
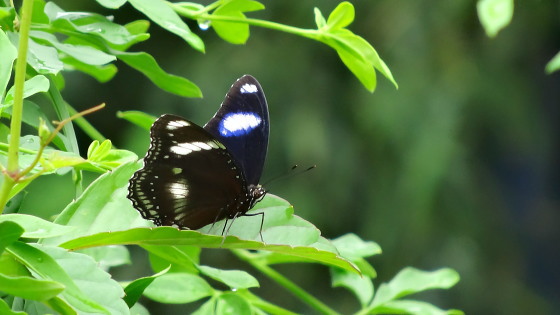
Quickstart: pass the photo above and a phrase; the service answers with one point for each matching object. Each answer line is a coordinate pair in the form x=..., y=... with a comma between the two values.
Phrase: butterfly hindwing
x=242, y=125
x=189, y=178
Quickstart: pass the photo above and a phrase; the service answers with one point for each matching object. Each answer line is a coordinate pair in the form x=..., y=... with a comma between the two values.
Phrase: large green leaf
x=173, y=236
x=103, y=206
x=161, y=13
x=47, y=266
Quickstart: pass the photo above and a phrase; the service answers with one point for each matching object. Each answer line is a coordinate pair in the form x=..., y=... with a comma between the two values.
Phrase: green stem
x=17, y=109
x=19, y=80
x=308, y=33
x=285, y=282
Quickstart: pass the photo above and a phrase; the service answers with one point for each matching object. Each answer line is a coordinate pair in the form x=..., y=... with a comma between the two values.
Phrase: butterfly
x=194, y=176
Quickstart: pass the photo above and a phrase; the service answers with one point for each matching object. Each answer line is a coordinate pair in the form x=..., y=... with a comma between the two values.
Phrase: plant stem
x=17, y=109
x=309, y=33
x=285, y=282
x=19, y=81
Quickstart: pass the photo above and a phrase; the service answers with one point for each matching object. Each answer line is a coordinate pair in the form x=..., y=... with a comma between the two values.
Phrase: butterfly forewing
x=189, y=178
x=242, y=125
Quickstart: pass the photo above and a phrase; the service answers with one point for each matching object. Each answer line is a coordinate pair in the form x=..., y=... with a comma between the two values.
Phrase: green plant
x=63, y=265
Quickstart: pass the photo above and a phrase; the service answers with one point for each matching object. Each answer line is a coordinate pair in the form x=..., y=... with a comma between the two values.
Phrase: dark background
x=457, y=168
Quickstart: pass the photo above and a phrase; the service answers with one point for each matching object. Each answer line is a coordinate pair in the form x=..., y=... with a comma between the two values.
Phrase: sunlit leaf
x=341, y=16
x=235, y=279
x=178, y=288
x=361, y=286
x=162, y=14
x=85, y=54
x=30, y=288
x=494, y=15
x=411, y=280
x=35, y=227
x=234, y=32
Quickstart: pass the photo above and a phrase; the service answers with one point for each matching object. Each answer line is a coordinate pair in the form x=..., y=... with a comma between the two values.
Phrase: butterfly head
x=256, y=194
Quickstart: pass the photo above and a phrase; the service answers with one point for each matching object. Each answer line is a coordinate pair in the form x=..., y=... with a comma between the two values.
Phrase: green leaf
x=411, y=280
x=172, y=236
x=6, y=310
x=47, y=266
x=100, y=73
x=353, y=247
x=231, y=303
x=9, y=233
x=9, y=54
x=319, y=18
x=95, y=25
x=553, y=64
x=494, y=15
x=111, y=4
x=134, y=290
x=341, y=16
x=84, y=54
x=361, y=286
x=359, y=56
x=235, y=279
x=109, y=256
x=30, y=288
x=43, y=59
x=162, y=14
x=103, y=206
x=35, y=227
x=138, y=118
x=178, y=288
x=36, y=84
x=146, y=64
x=234, y=32
x=414, y=307
x=181, y=258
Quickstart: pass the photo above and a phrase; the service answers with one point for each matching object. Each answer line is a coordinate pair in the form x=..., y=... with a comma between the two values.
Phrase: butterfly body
x=194, y=176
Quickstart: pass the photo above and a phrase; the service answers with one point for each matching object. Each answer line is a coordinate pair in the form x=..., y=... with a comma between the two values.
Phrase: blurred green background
x=458, y=167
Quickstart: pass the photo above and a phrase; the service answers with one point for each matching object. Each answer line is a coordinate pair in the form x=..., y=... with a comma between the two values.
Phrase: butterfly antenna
x=292, y=172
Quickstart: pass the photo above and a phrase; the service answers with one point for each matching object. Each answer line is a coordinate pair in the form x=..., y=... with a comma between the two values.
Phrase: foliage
x=62, y=266
x=495, y=15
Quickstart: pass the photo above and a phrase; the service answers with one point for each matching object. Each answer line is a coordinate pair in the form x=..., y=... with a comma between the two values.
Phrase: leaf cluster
x=63, y=265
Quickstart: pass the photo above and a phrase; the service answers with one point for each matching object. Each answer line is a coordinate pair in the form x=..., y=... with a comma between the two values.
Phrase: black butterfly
x=194, y=176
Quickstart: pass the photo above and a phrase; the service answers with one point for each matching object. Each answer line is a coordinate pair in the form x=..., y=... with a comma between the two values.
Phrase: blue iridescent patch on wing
x=238, y=124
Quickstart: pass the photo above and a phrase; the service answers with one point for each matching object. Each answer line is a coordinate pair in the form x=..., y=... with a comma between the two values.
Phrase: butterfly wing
x=189, y=178
x=242, y=125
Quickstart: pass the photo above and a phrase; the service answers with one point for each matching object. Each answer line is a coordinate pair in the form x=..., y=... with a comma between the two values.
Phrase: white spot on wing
x=178, y=189
x=248, y=88
x=176, y=124
x=235, y=124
